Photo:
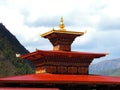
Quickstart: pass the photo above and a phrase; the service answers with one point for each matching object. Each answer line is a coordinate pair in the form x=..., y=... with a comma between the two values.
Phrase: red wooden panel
x=61, y=69
x=72, y=70
x=83, y=70
x=50, y=69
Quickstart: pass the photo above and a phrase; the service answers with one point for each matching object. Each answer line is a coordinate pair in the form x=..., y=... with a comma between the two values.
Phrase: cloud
x=108, y=23
x=26, y=19
x=46, y=22
x=42, y=44
x=101, y=41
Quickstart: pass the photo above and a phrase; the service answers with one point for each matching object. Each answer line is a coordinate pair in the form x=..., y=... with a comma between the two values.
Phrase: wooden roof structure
x=42, y=53
x=62, y=79
x=62, y=69
x=59, y=82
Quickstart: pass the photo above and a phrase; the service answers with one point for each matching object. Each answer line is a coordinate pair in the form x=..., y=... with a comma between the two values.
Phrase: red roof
x=61, y=79
x=40, y=53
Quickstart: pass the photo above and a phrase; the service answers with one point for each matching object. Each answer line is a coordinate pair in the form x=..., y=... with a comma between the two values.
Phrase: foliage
x=116, y=72
x=106, y=67
x=11, y=65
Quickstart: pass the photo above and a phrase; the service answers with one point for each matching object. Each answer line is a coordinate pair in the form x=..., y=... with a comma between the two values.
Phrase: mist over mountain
x=9, y=47
x=107, y=67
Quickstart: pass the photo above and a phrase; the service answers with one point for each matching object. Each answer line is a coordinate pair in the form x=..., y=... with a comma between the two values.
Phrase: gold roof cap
x=62, y=30
x=61, y=25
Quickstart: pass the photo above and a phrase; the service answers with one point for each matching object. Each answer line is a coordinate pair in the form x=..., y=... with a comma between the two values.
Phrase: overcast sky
x=27, y=19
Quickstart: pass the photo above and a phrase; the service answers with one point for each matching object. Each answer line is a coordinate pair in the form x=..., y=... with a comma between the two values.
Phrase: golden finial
x=61, y=23
x=36, y=49
x=53, y=29
x=18, y=55
x=107, y=53
x=85, y=31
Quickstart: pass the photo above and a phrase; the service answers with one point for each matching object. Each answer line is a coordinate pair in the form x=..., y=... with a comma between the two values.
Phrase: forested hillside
x=9, y=63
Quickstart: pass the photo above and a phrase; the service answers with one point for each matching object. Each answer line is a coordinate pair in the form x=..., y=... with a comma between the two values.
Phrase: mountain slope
x=116, y=72
x=9, y=63
x=4, y=33
x=108, y=67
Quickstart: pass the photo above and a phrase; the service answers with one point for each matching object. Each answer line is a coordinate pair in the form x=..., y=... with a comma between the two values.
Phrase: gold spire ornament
x=85, y=31
x=61, y=23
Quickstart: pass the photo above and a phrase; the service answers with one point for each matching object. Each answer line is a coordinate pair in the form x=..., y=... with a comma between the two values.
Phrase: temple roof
x=62, y=30
x=62, y=79
x=40, y=53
